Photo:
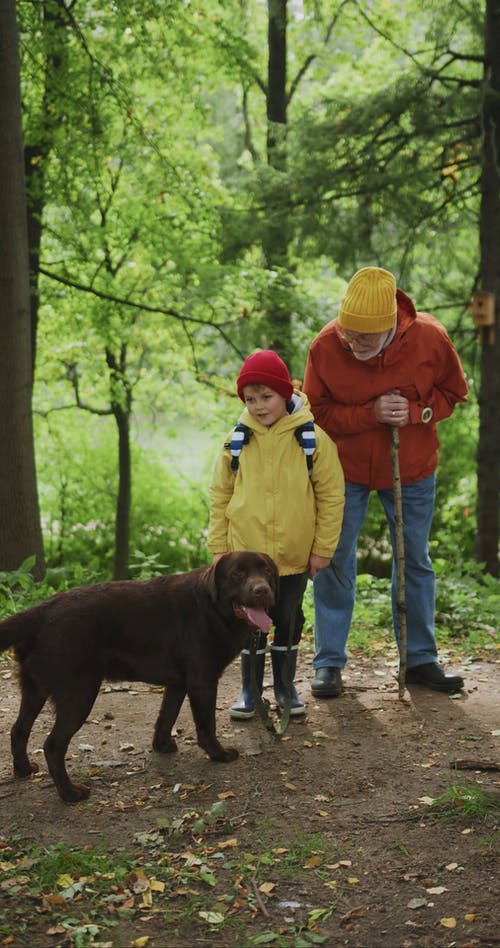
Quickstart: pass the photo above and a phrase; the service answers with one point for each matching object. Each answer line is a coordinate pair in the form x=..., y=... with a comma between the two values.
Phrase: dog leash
x=262, y=704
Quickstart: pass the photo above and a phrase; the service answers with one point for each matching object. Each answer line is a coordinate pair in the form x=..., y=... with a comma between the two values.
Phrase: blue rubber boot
x=244, y=707
x=284, y=665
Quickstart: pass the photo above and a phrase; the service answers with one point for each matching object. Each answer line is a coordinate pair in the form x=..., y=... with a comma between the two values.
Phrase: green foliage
x=467, y=605
x=146, y=132
x=78, y=501
x=467, y=610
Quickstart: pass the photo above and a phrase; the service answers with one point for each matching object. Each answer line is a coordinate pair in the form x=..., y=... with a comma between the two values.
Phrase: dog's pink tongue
x=258, y=618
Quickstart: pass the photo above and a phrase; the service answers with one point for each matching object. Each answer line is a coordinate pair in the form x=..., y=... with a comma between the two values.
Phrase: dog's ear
x=274, y=570
x=210, y=579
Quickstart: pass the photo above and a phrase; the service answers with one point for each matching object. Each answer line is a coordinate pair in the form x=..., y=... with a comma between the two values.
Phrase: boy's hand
x=318, y=562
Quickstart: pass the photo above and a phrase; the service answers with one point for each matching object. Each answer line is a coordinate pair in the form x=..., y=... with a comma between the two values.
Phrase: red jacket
x=420, y=361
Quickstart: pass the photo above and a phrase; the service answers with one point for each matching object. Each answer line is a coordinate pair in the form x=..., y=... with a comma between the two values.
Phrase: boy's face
x=264, y=404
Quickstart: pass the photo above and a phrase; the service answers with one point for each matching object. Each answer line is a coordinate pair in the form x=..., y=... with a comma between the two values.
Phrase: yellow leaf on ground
x=139, y=942
x=156, y=885
x=64, y=881
x=267, y=887
x=448, y=922
x=313, y=861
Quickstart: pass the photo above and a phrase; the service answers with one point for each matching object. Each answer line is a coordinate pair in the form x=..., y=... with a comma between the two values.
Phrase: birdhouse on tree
x=483, y=308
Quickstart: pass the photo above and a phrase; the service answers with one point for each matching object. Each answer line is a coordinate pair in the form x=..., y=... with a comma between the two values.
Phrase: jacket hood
x=407, y=313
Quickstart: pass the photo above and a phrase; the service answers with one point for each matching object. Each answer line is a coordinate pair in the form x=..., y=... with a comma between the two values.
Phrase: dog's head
x=247, y=583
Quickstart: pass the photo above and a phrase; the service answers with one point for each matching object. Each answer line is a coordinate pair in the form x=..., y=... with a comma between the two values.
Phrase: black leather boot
x=431, y=675
x=284, y=665
x=244, y=707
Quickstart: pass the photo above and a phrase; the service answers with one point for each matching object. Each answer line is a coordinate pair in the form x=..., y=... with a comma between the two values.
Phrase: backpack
x=241, y=435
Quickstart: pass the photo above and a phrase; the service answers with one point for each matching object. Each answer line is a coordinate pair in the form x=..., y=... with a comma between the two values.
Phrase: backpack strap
x=306, y=437
x=239, y=437
x=304, y=434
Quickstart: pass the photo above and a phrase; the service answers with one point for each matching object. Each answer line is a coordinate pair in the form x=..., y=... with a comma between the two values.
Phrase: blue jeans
x=334, y=597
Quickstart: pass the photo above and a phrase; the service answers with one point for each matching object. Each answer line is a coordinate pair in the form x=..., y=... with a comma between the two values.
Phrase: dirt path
x=331, y=820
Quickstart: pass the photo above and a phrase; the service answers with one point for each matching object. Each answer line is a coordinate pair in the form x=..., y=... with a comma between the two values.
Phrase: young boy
x=265, y=496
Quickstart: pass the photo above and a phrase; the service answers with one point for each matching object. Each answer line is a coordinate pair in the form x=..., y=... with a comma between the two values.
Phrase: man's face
x=365, y=345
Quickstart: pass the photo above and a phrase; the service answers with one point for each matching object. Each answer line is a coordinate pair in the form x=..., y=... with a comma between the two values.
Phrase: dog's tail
x=20, y=629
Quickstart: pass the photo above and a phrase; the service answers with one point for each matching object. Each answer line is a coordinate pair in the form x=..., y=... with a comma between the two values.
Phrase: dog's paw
x=164, y=744
x=225, y=755
x=74, y=793
x=25, y=769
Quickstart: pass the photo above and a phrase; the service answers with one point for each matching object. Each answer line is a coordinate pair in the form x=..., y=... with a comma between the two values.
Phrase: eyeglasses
x=364, y=338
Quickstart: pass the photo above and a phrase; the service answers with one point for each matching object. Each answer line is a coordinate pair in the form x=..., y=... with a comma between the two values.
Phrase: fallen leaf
x=139, y=942
x=226, y=794
x=470, y=917
x=64, y=880
x=437, y=890
x=267, y=887
x=138, y=881
x=417, y=903
x=352, y=880
x=313, y=861
x=448, y=922
x=157, y=885
x=212, y=918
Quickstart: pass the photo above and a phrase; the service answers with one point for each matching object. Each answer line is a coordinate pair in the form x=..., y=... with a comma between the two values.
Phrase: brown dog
x=180, y=631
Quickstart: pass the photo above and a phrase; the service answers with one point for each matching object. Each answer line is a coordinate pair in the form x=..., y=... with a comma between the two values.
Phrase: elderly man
x=379, y=364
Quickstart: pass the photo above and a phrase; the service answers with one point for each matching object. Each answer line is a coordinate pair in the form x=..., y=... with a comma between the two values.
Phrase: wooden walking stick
x=400, y=559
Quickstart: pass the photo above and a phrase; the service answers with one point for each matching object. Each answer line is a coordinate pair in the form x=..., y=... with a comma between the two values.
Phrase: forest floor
x=331, y=835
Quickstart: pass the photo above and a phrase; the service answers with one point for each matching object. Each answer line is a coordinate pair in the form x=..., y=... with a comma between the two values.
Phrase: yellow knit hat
x=370, y=301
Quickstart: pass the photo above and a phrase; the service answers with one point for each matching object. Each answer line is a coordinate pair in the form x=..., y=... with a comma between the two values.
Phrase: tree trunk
x=488, y=453
x=55, y=30
x=276, y=239
x=122, y=522
x=121, y=406
x=20, y=530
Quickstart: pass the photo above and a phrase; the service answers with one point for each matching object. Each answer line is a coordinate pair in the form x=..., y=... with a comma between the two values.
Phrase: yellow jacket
x=272, y=505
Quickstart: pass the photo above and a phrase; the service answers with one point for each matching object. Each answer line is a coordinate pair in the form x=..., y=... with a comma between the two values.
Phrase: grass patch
x=467, y=803
x=183, y=878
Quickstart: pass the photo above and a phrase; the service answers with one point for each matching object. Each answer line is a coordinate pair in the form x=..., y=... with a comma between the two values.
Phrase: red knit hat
x=265, y=368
